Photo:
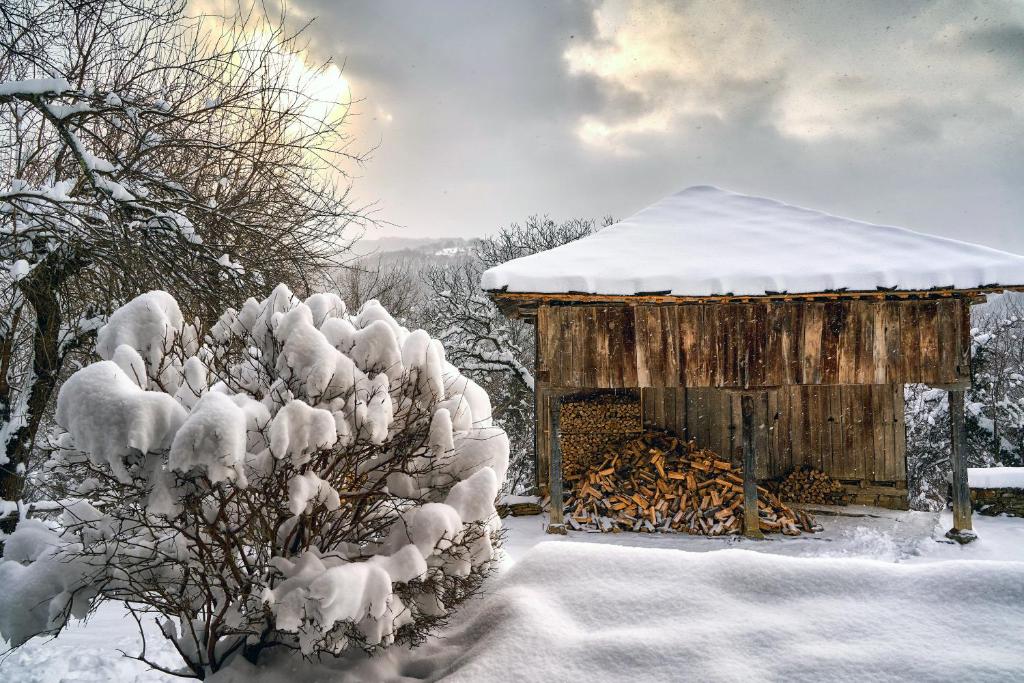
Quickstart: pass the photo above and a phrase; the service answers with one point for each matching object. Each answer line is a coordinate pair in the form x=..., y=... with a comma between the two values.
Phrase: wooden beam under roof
x=524, y=304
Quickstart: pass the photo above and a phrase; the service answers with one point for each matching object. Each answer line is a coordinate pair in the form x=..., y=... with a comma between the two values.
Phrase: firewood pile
x=808, y=485
x=594, y=425
x=655, y=482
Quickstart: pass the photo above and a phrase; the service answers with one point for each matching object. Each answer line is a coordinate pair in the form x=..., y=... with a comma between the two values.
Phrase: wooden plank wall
x=853, y=432
x=771, y=343
x=850, y=432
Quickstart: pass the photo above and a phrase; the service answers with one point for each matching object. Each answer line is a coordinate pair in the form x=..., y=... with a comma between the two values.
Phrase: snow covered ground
x=873, y=597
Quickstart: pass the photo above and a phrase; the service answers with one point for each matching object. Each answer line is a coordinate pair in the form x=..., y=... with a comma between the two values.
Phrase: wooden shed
x=775, y=334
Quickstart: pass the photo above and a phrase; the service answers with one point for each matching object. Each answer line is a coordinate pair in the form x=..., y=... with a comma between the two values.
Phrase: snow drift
x=596, y=612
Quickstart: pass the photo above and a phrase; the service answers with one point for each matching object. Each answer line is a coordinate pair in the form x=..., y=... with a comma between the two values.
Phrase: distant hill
x=419, y=246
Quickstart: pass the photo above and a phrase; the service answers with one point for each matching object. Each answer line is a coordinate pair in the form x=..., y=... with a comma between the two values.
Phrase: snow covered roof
x=705, y=241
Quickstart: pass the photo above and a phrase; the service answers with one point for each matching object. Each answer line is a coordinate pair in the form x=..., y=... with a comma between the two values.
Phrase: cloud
x=906, y=113
x=900, y=81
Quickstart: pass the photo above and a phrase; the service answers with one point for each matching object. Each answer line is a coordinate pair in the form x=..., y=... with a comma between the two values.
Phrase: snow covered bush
x=298, y=476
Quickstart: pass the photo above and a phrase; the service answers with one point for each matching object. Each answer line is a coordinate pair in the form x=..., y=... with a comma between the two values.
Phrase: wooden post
x=556, y=512
x=962, y=530
x=751, y=521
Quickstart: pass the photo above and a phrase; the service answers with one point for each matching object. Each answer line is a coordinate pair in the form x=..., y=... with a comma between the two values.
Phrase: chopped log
x=655, y=483
x=810, y=486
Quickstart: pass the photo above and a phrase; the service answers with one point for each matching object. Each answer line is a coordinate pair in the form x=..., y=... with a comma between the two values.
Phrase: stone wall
x=998, y=501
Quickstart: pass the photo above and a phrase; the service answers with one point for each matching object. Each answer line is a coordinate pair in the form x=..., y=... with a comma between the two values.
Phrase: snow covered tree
x=994, y=405
x=139, y=149
x=298, y=476
x=495, y=350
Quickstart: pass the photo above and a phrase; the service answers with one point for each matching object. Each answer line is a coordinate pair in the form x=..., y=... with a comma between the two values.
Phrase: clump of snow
x=298, y=430
x=149, y=323
x=110, y=417
x=705, y=241
x=996, y=477
x=35, y=86
x=213, y=437
x=19, y=269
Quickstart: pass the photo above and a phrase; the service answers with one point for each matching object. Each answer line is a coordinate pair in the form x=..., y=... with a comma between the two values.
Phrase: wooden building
x=774, y=334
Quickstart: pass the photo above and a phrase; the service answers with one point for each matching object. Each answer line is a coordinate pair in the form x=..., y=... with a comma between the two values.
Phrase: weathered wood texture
x=751, y=527
x=855, y=434
x=769, y=343
x=958, y=463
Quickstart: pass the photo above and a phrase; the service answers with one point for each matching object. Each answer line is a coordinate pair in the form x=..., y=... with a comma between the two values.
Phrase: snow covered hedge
x=297, y=476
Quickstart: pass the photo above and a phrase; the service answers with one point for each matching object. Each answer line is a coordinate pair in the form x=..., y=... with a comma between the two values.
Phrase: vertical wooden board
x=848, y=341
x=585, y=331
x=846, y=433
x=879, y=350
x=785, y=428
x=819, y=422
x=859, y=409
x=757, y=352
x=645, y=318
x=576, y=336
x=688, y=320
x=875, y=464
x=839, y=434
x=629, y=375
x=900, y=431
x=542, y=434
x=594, y=332
x=833, y=419
x=694, y=411
x=763, y=435
x=668, y=360
x=964, y=362
x=796, y=329
x=796, y=426
x=616, y=350
x=910, y=341
x=680, y=413
x=551, y=337
x=946, y=338
x=927, y=320
x=647, y=406
x=831, y=338
x=732, y=432
x=893, y=340
x=776, y=353
x=884, y=431
x=725, y=348
x=806, y=436
x=771, y=455
x=603, y=350
x=811, y=341
x=562, y=372
x=869, y=312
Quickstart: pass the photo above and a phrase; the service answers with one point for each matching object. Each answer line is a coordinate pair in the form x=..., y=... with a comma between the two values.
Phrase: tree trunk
x=47, y=360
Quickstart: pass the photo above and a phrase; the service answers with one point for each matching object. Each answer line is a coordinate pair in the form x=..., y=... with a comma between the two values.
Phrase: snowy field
x=873, y=597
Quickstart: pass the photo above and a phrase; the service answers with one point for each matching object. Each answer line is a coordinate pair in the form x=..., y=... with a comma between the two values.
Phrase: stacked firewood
x=657, y=483
x=808, y=485
x=593, y=426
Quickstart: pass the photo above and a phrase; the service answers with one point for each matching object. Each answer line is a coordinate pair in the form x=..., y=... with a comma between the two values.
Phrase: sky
x=482, y=113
